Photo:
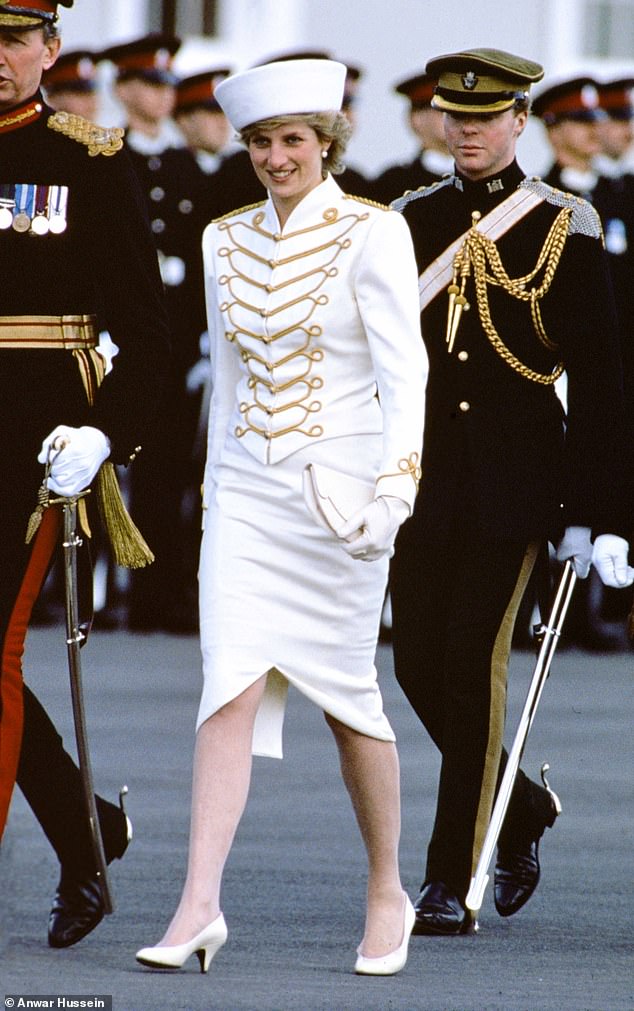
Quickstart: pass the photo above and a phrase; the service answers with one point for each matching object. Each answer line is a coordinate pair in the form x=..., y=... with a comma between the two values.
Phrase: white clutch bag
x=332, y=497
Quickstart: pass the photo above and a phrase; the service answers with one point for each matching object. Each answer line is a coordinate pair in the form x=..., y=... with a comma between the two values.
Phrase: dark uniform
x=499, y=478
x=163, y=596
x=65, y=189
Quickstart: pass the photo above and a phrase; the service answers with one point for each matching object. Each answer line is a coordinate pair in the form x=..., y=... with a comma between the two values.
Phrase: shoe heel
x=204, y=958
x=206, y=954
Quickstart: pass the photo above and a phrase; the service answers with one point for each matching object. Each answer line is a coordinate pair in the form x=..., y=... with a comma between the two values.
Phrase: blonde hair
x=330, y=127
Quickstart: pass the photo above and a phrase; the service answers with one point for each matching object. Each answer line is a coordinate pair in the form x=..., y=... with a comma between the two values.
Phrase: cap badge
x=162, y=59
x=589, y=96
x=85, y=68
x=469, y=80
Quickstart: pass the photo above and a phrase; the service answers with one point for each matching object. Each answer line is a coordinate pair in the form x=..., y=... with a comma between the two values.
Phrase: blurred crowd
x=192, y=171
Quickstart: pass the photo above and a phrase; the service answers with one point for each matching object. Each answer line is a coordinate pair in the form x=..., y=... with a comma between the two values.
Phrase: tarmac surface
x=294, y=887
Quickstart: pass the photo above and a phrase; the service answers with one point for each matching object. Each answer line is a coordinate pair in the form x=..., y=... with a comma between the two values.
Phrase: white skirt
x=279, y=596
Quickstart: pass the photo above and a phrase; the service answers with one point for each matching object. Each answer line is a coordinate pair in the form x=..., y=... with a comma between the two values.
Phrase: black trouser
x=50, y=782
x=38, y=389
x=454, y=601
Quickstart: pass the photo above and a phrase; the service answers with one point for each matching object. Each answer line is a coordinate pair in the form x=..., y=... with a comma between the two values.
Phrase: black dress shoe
x=77, y=909
x=517, y=870
x=78, y=905
x=439, y=911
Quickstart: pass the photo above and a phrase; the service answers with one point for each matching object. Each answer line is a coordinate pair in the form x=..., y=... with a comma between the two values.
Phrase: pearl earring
x=324, y=154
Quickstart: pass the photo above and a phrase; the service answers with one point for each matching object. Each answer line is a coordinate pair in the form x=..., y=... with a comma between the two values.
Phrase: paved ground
x=293, y=893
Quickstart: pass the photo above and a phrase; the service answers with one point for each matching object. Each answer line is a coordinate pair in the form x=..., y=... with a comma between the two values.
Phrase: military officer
x=65, y=188
x=432, y=160
x=503, y=471
x=163, y=596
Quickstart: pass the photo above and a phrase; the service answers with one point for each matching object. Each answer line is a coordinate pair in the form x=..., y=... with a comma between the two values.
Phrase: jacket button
x=463, y=356
x=464, y=406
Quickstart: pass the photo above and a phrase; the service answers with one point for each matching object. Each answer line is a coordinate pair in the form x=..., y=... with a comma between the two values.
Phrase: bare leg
x=370, y=772
x=222, y=774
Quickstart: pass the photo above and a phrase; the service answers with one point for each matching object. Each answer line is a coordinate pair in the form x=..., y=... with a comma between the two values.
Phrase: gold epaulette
x=98, y=139
x=239, y=210
x=366, y=200
x=422, y=191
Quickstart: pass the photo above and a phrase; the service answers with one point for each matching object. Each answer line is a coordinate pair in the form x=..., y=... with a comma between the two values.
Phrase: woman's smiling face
x=288, y=162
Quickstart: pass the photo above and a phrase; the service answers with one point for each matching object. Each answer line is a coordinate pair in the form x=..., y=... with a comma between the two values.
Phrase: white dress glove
x=370, y=533
x=609, y=558
x=576, y=546
x=75, y=465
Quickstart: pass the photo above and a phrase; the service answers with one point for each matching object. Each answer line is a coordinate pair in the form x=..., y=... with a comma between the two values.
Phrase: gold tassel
x=128, y=545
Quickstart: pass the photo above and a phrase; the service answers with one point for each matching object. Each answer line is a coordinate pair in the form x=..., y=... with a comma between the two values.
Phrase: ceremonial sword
x=75, y=638
x=550, y=634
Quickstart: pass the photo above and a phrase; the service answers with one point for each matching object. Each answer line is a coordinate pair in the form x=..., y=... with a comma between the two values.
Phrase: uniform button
x=185, y=206
x=157, y=193
x=464, y=406
x=463, y=356
x=154, y=163
x=158, y=226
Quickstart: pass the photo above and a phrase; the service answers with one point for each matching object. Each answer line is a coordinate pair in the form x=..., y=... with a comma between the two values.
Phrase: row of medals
x=47, y=206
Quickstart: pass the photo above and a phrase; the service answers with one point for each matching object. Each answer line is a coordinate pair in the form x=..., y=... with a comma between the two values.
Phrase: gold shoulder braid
x=98, y=139
x=479, y=253
x=239, y=210
x=366, y=200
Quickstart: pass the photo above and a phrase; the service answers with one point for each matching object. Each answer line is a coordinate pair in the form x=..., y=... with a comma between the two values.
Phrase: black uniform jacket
x=174, y=190
x=398, y=179
x=528, y=471
x=103, y=262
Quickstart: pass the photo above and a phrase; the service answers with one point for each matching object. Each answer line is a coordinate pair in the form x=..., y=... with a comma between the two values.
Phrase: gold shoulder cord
x=106, y=140
x=479, y=253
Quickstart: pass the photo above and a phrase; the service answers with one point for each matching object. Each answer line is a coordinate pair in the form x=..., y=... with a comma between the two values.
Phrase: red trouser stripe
x=11, y=713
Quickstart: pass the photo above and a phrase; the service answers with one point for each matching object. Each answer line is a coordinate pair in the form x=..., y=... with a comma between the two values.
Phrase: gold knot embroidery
x=409, y=465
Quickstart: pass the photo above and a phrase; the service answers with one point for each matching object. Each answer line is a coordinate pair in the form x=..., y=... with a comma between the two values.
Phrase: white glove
x=370, y=532
x=576, y=546
x=74, y=466
x=609, y=558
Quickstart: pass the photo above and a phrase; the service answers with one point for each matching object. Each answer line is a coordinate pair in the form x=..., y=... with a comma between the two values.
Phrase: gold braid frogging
x=481, y=250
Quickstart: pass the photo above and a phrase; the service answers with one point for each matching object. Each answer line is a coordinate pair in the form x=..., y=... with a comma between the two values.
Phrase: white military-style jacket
x=308, y=324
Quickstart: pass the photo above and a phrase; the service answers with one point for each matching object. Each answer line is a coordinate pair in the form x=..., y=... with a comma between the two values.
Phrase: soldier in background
x=163, y=597
x=432, y=160
x=71, y=83
x=616, y=130
x=200, y=119
x=571, y=115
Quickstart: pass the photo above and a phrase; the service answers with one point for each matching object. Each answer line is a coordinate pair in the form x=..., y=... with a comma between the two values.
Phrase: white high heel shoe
x=394, y=961
x=173, y=956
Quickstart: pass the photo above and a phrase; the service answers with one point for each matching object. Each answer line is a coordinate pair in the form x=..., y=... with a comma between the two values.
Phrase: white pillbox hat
x=285, y=88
